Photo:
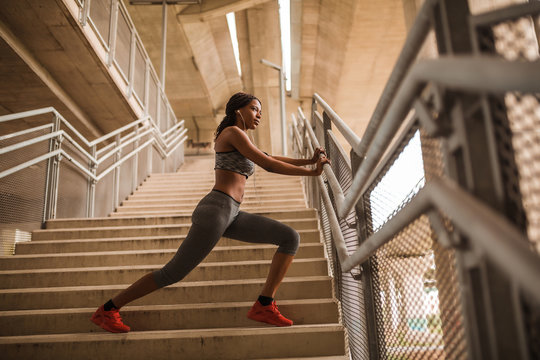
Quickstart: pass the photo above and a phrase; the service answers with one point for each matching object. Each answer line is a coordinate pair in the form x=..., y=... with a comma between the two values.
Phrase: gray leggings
x=215, y=216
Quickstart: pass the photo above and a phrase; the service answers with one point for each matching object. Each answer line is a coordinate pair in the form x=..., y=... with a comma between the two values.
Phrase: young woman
x=217, y=215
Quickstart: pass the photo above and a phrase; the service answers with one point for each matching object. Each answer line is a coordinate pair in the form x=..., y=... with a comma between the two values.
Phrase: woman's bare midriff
x=230, y=183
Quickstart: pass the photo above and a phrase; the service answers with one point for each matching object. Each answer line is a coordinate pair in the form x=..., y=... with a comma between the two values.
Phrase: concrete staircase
x=54, y=283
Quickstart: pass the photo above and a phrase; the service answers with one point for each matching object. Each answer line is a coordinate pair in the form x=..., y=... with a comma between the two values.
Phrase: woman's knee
x=290, y=242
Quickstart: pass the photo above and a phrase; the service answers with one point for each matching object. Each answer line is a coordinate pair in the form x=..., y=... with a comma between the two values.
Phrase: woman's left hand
x=317, y=153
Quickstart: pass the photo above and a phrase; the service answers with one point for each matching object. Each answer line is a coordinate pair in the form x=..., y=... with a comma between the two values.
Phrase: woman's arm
x=301, y=162
x=240, y=141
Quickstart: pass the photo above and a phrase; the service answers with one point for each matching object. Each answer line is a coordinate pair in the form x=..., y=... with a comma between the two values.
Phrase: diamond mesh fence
x=350, y=291
x=72, y=184
x=417, y=299
x=22, y=194
x=517, y=125
x=517, y=118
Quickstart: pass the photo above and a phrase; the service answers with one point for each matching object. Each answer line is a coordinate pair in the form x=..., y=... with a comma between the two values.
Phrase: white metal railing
x=108, y=25
x=442, y=194
x=95, y=152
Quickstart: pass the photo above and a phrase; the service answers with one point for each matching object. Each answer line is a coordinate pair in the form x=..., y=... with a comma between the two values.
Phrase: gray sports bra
x=234, y=161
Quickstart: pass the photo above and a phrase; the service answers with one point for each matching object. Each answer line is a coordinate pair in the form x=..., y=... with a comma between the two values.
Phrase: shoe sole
x=251, y=317
x=102, y=325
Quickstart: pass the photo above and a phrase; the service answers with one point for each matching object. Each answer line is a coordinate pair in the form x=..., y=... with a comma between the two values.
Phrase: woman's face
x=250, y=115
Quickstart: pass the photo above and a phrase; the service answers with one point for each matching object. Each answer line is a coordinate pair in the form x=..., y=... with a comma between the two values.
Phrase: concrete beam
x=215, y=8
x=47, y=79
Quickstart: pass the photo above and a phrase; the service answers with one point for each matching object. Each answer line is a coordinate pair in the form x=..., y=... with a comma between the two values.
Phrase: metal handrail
x=475, y=74
x=163, y=146
x=403, y=108
x=466, y=73
x=489, y=232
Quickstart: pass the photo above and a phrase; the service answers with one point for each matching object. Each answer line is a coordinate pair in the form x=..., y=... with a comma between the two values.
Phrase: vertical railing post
x=49, y=176
x=134, y=183
x=367, y=271
x=84, y=13
x=116, y=177
x=113, y=29
x=54, y=174
x=491, y=324
x=91, y=194
x=131, y=75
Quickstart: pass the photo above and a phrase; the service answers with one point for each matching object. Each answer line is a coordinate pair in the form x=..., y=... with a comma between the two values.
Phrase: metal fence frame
x=96, y=152
x=494, y=242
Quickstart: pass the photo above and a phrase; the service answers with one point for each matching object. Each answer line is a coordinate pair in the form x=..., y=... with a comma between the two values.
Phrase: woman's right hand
x=320, y=163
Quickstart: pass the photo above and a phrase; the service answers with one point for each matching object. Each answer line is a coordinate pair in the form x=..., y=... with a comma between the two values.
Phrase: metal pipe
x=337, y=191
x=413, y=43
x=24, y=132
x=505, y=14
x=116, y=148
x=461, y=73
x=339, y=241
x=344, y=129
x=29, y=142
x=115, y=132
x=488, y=232
x=120, y=162
x=25, y=114
x=29, y=163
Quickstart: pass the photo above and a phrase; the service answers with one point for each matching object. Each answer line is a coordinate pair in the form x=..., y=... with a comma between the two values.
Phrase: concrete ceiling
x=46, y=62
x=344, y=50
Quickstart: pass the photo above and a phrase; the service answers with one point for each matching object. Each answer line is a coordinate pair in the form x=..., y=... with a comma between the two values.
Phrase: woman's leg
x=209, y=220
x=278, y=269
x=259, y=229
x=138, y=289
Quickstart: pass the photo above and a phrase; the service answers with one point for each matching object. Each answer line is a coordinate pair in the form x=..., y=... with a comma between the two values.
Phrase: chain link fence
x=22, y=202
x=416, y=289
x=517, y=118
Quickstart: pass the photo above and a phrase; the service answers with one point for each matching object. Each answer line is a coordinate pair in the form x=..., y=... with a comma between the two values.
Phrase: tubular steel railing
x=111, y=31
x=52, y=171
x=431, y=223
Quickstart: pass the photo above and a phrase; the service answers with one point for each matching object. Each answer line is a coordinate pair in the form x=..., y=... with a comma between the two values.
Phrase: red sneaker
x=109, y=320
x=268, y=314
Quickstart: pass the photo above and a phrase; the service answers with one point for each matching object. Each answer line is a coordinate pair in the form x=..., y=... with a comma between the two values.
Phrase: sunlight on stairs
x=54, y=283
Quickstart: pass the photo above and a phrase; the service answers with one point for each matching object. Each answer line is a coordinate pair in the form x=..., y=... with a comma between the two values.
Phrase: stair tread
x=136, y=252
x=168, y=334
x=128, y=238
x=151, y=266
x=180, y=284
x=220, y=305
x=105, y=218
x=130, y=227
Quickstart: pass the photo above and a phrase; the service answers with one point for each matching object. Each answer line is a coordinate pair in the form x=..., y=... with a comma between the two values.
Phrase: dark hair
x=237, y=101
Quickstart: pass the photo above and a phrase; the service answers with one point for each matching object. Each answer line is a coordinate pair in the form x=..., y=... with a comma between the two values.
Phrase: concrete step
x=205, y=189
x=133, y=243
x=147, y=257
x=204, y=344
x=171, y=209
x=211, y=180
x=200, y=193
x=180, y=195
x=162, y=317
x=184, y=292
x=108, y=275
x=300, y=201
x=149, y=230
x=160, y=220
